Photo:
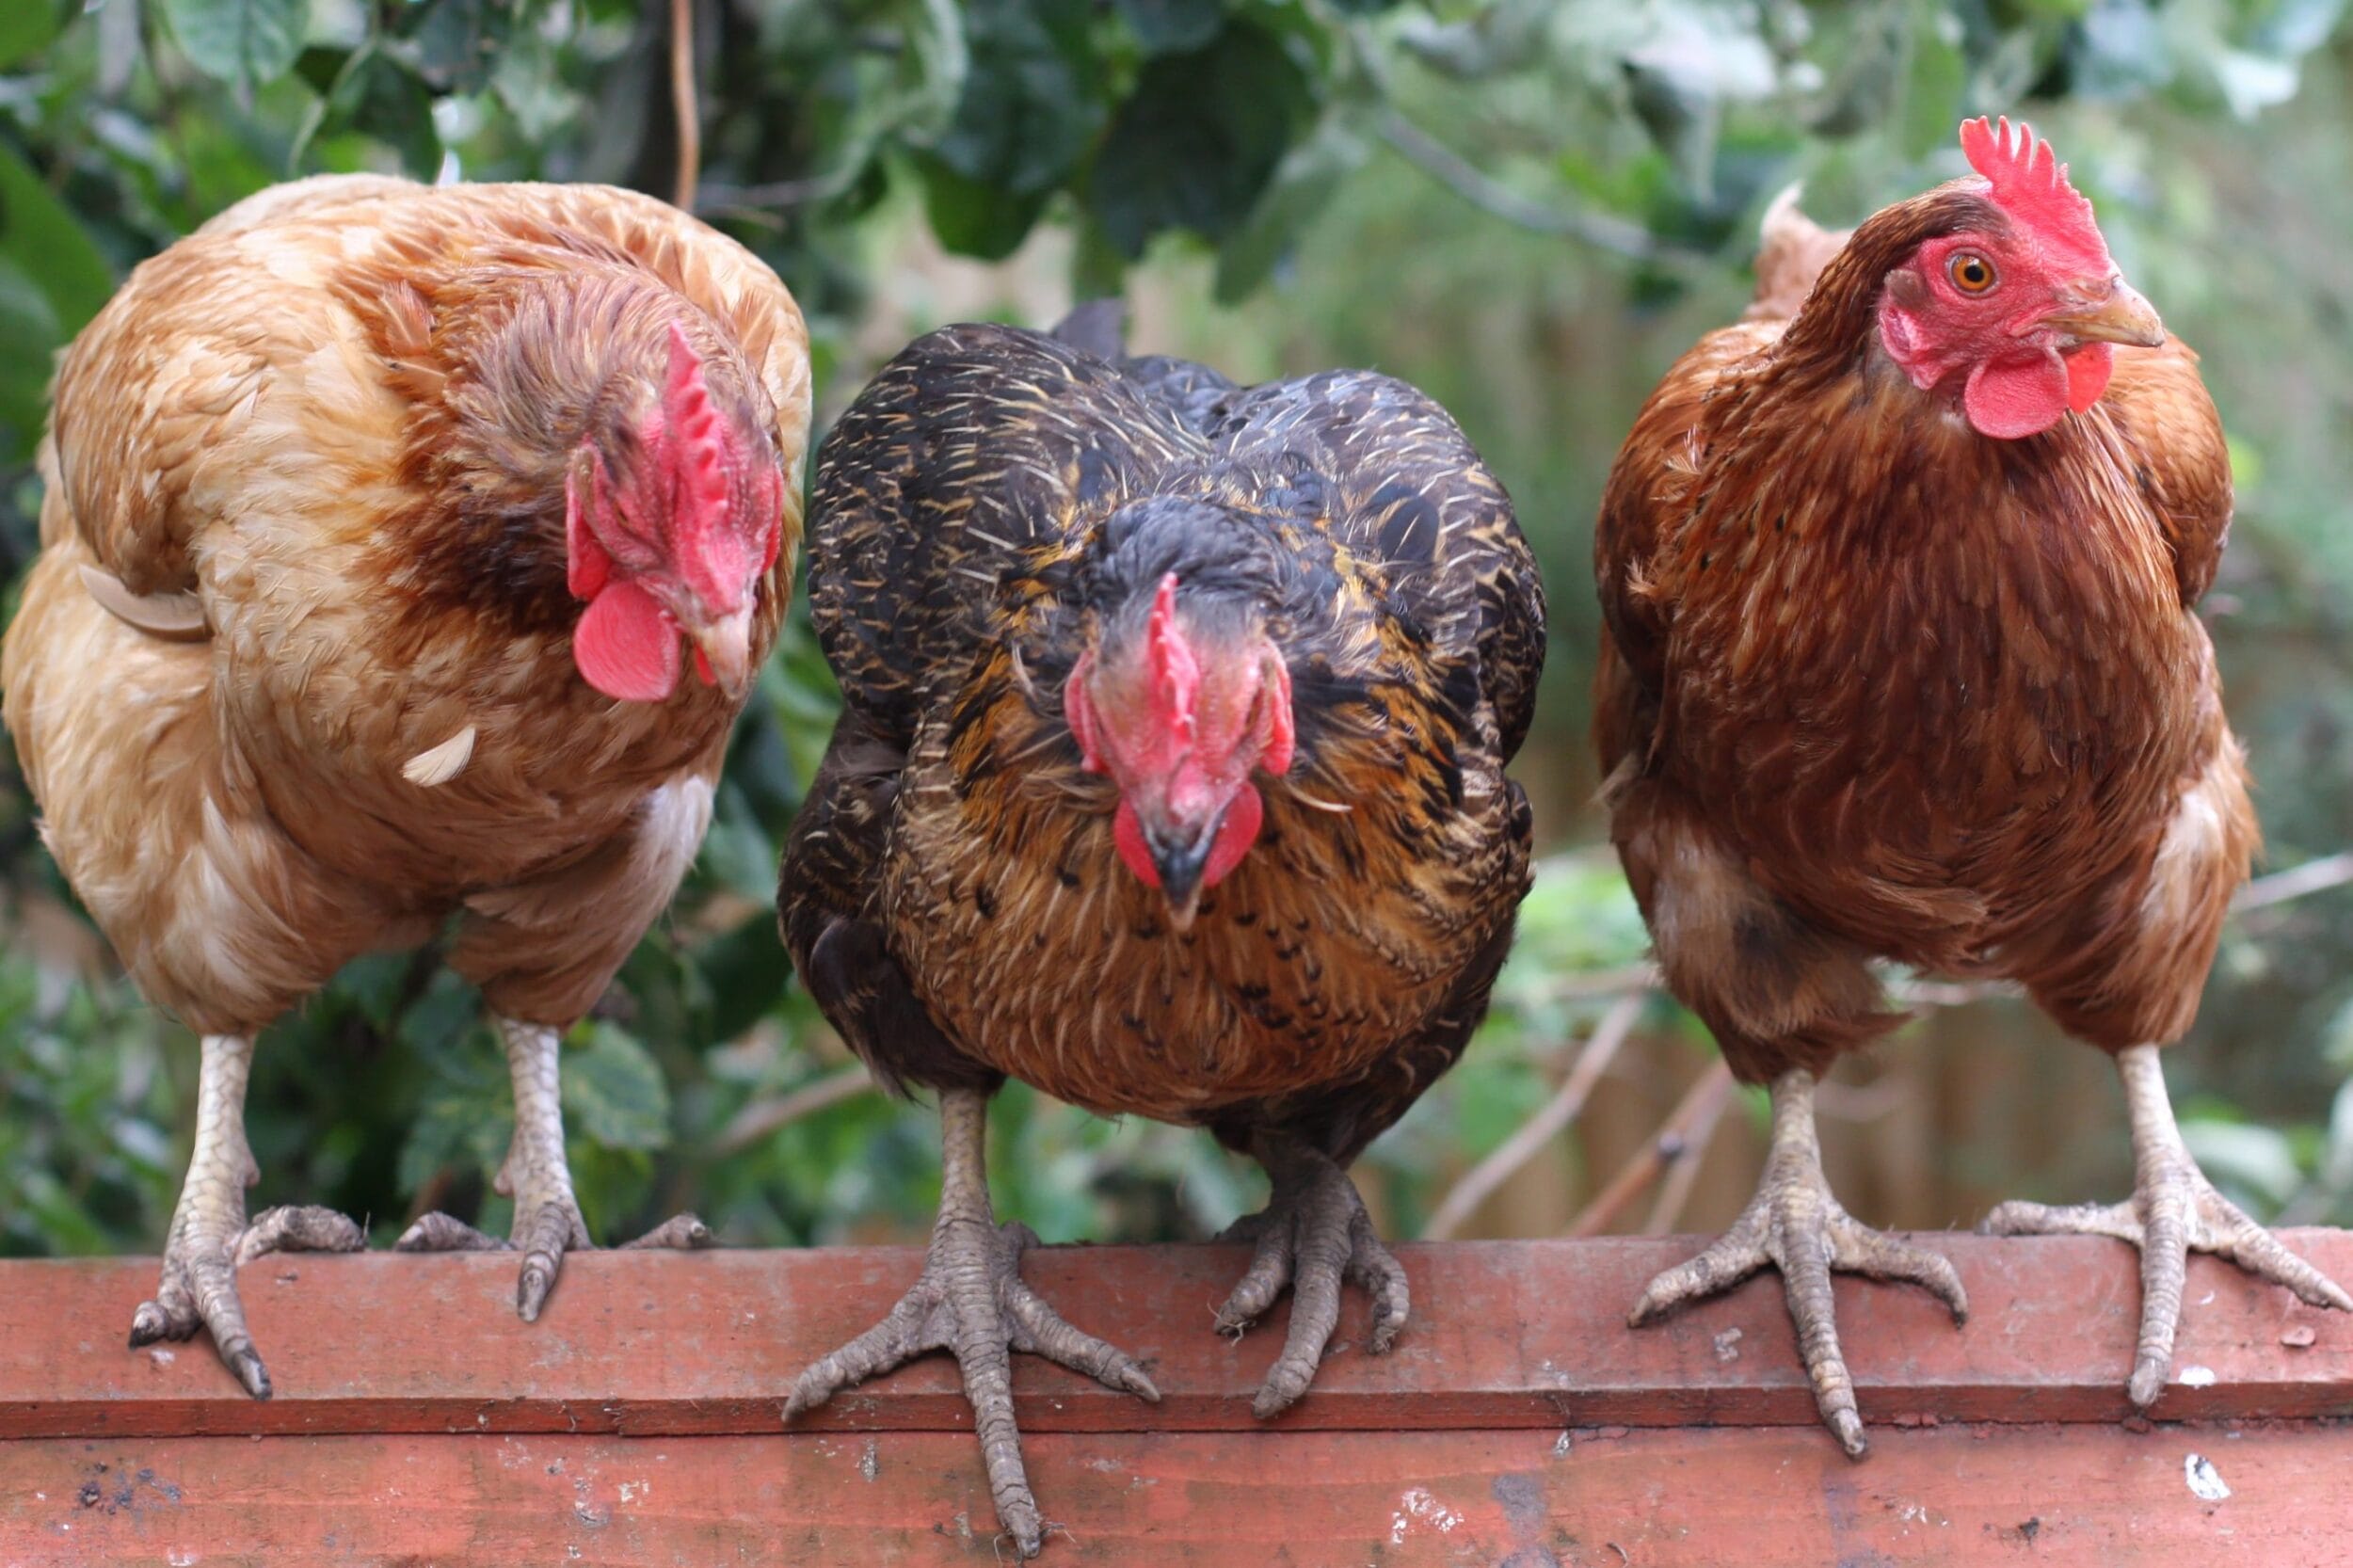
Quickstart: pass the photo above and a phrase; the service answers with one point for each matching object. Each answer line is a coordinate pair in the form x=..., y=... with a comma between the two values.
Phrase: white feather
x=441, y=763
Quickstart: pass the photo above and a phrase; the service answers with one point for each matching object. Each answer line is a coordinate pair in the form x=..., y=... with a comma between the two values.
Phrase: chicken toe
x=537, y=1177
x=970, y=1302
x=2173, y=1211
x=210, y=1237
x=543, y=1235
x=1312, y=1235
x=1796, y=1226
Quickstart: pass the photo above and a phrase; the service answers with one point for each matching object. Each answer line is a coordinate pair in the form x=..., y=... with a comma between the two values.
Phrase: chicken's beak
x=1180, y=858
x=723, y=649
x=2109, y=310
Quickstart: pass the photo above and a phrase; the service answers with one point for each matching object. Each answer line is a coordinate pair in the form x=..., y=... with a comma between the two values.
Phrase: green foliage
x=242, y=42
x=85, y=1159
x=1196, y=143
x=1526, y=206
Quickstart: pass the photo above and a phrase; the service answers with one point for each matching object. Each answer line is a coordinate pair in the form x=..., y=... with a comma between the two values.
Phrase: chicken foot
x=972, y=1303
x=1312, y=1235
x=210, y=1237
x=2173, y=1211
x=536, y=1176
x=1796, y=1226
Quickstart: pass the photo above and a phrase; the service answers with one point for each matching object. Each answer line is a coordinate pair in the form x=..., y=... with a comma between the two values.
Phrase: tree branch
x=685, y=103
x=1482, y=1180
x=1699, y=1101
x=761, y=1117
x=1683, y=1162
x=2312, y=876
x=1598, y=230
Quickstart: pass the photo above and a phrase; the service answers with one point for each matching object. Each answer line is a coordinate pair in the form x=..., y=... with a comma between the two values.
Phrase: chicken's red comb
x=1176, y=674
x=706, y=548
x=2030, y=184
x=694, y=424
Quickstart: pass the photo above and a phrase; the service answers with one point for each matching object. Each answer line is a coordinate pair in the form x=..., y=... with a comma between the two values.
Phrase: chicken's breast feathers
x=2165, y=422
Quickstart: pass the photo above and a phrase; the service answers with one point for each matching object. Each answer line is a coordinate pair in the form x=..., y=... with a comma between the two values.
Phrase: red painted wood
x=1504, y=1336
x=2081, y=1497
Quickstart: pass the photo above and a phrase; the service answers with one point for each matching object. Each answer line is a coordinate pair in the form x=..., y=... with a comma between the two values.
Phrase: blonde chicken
x=382, y=523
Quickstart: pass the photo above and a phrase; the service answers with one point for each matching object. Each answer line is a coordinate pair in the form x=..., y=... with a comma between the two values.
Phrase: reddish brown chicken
x=1900, y=663
x=1170, y=778
x=378, y=518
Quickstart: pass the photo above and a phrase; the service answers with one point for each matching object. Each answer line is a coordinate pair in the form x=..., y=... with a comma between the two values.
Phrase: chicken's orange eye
x=1970, y=272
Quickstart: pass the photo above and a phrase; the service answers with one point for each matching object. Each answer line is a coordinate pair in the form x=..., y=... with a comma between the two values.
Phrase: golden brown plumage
x=1879, y=685
x=333, y=435
x=959, y=509
x=1171, y=775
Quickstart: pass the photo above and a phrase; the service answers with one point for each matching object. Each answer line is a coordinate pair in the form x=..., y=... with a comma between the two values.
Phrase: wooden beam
x=1522, y=1335
x=2076, y=1496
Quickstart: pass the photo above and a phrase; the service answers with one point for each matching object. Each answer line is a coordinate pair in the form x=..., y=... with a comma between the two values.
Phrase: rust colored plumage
x=952, y=890
x=1875, y=685
x=1900, y=663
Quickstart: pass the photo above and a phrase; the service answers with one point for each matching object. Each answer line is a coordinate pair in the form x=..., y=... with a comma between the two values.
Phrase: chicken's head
x=2025, y=306
x=671, y=517
x=1182, y=705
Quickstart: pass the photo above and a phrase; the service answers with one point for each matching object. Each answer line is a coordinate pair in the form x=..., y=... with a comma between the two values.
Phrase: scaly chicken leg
x=970, y=1302
x=1313, y=1233
x=1795, y=1226
x=536, y=1176
x=2173, y=1209
x=210, y=1239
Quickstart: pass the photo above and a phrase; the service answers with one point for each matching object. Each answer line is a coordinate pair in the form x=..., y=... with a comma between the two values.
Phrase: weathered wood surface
x=2078, y=1496
x=1517, y=1425
x=1504, y=1335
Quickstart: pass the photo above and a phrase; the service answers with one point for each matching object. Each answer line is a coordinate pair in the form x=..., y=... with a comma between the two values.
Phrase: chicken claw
x=543, y=1236
x=972, y=1303
x=536, y=1177
x=2173, y=1211
x=210, y=1239
x=1796, y=1226
x=1313, y=1233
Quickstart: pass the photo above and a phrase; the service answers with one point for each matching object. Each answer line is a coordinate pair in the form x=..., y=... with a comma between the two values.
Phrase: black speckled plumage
x=950, y=893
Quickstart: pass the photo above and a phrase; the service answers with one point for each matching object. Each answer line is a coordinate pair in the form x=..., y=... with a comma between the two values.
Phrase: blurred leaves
x=1163, y=25
x=1196, y=143
x=41, y=236
x=1306, y=179
x=1028, y=110
x=374, y=92
x=242, y=43
x=25, y=26
x=612, y=1091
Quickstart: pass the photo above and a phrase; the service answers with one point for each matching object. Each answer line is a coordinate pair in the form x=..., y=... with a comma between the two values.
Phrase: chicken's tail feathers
x=1783, y=216
x=1097, y=326
x=1791, y=251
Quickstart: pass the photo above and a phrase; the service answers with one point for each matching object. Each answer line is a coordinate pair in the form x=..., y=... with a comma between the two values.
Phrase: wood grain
x=1526, y=1335
x=1776, y=1497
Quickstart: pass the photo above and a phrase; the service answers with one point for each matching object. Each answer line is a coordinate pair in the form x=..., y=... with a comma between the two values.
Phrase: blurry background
x=1530, y=209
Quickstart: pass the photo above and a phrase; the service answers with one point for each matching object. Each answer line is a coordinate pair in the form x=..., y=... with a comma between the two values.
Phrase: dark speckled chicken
x=1170, y=779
